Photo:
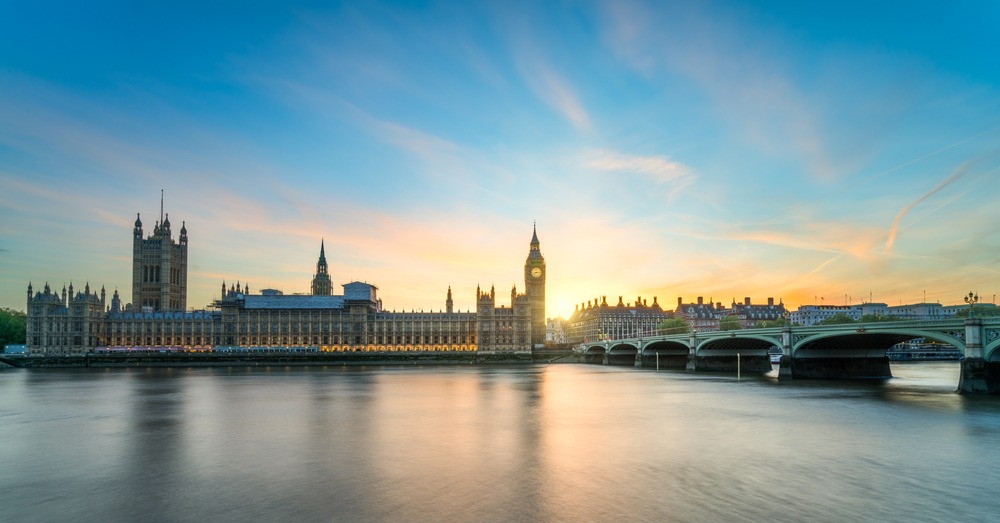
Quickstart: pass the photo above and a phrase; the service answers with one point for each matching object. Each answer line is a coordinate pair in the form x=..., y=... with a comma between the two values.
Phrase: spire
x=321, y=283
x=534, y=251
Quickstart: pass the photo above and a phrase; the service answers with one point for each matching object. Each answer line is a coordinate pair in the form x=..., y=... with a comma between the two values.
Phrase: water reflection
x=542, y=443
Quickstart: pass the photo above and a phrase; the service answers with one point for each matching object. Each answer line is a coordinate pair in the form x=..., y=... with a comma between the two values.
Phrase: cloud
x=894, y=229
x=660, y=169
x=549, y=86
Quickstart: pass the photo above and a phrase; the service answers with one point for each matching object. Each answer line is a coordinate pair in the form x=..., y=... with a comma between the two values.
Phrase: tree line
x=13, y=327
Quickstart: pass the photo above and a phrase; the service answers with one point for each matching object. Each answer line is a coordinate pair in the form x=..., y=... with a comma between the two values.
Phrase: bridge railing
x=799, y=329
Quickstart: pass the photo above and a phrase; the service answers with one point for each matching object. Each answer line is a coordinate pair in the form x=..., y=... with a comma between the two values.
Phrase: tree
x=837, y=319
x=730, y=323
x=982, y=311
x=13, y=326
x=673, y=326
x=765, y=324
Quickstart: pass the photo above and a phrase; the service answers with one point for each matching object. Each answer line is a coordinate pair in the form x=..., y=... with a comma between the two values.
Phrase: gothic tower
x=159, y=267
x=534, y=283
x=321, y=284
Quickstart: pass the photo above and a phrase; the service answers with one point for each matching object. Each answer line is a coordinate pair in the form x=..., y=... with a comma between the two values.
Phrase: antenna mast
x=161, y=205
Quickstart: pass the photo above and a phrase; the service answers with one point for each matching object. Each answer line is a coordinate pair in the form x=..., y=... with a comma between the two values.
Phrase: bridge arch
x=622, y=353
x=595, y=353
x=734, y=350
x=867, y=341
x=737, y=342
x=663, y=354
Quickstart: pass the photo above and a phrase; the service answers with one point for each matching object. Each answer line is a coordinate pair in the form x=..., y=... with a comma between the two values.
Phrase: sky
x=813, y=153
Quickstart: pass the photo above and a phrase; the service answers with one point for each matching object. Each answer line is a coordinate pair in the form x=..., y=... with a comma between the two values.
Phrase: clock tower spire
x=534, y=283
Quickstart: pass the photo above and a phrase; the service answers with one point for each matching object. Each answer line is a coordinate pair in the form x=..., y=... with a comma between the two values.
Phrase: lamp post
x=972, y=299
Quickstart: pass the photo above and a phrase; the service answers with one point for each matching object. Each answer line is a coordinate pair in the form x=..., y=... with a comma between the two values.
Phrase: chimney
x=680, y=301
x=701, y=300
x=770, y=301
x=746, y=301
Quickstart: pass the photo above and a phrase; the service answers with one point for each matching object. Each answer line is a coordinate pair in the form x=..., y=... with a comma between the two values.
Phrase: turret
x=137, y=231
x=449, y=304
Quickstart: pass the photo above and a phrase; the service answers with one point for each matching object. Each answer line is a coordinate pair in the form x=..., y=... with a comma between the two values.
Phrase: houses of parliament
x=68, y=322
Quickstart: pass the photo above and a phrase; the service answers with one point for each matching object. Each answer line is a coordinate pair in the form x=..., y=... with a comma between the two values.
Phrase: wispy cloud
x=660, y=169
x=551, y=87
x=894, y=229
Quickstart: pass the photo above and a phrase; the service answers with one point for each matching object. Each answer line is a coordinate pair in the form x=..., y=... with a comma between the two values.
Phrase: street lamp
x=972, y=299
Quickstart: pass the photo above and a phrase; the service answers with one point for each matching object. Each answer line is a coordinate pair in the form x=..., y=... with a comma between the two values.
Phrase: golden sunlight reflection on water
x=532, y=443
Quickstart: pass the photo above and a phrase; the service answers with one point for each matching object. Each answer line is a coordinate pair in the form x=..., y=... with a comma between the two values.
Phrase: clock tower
x=534, y=284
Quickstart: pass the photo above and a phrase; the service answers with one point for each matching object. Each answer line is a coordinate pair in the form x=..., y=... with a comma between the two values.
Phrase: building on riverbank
x=350, y=322
x=599, y=321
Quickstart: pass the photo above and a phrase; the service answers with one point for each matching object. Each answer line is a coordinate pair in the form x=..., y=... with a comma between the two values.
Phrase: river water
x=530, y=443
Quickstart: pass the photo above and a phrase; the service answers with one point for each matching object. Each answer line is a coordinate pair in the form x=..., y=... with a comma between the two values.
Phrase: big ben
x=534, y=284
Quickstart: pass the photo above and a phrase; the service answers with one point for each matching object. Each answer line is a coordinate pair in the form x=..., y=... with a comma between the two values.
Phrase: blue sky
x=811, y=153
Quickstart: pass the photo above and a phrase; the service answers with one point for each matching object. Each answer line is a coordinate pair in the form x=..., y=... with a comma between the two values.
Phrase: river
x=480, y=443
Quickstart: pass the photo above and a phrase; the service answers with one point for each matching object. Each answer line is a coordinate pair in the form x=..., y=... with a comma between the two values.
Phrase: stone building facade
x=753, y=314
x=159, y=268
x=321, y=321
x=67, y=323
x=594, y=321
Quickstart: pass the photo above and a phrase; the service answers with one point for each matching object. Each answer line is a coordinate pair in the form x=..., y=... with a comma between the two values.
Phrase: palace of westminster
x=69, y=322
x=77, y=323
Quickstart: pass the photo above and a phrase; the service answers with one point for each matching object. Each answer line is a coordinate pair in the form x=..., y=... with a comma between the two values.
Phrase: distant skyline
x=817, y=154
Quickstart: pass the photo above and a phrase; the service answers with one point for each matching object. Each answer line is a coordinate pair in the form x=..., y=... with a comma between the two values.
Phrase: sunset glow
x=664, y=149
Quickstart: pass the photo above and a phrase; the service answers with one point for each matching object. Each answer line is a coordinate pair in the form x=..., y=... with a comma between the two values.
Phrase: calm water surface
x=534, y=443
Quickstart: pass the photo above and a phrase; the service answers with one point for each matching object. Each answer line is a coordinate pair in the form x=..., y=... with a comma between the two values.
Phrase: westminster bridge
x=855, y=350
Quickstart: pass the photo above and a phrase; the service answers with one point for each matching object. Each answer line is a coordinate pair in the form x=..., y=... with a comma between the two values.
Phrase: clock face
x=536, y=272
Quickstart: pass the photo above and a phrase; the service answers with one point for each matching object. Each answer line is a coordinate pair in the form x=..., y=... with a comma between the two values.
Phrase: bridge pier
x=978, y=375
x=785, y=366
x=692, y=359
